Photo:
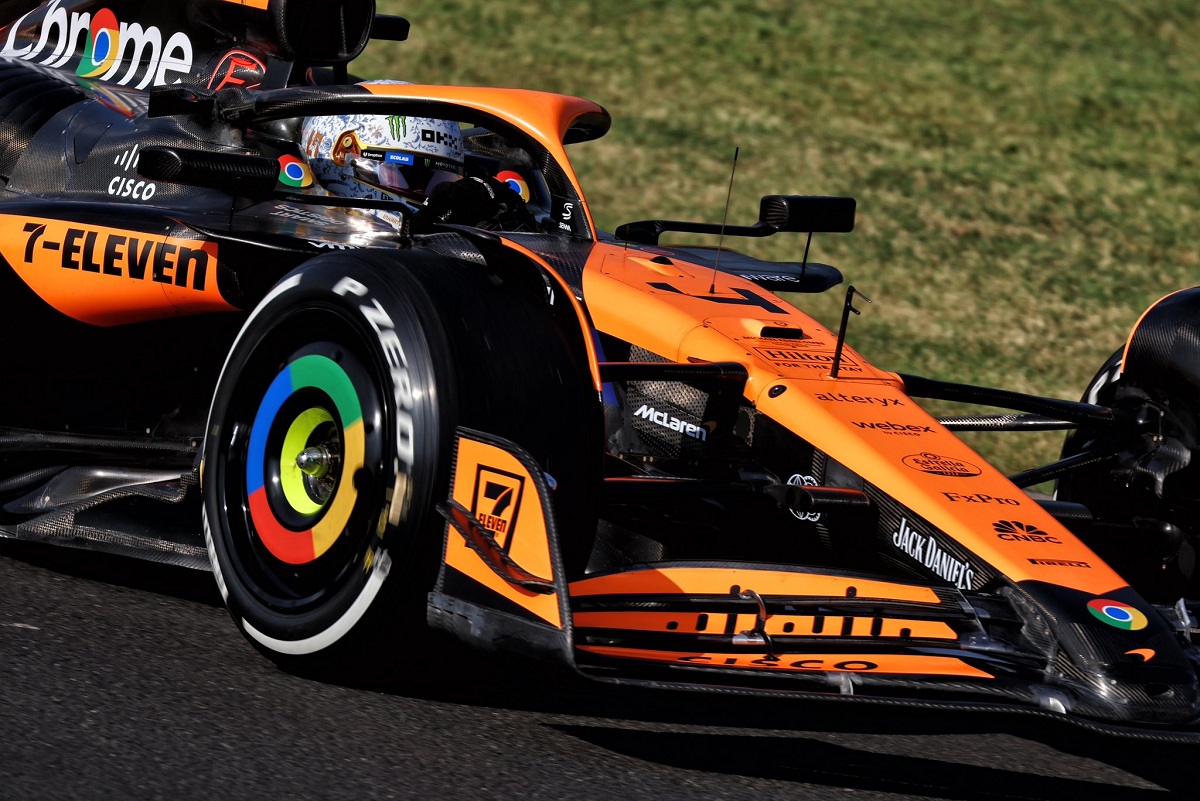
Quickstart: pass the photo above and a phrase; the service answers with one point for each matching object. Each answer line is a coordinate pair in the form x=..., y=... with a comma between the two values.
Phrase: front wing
x=725, y=627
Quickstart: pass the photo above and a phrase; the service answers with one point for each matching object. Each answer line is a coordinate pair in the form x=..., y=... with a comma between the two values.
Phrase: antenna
x=804, y=261
x=841, y=340
x=712, y=289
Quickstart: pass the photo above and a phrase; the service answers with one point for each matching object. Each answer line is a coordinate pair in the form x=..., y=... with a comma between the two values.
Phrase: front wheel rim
x=280, y=503
x=292, y=553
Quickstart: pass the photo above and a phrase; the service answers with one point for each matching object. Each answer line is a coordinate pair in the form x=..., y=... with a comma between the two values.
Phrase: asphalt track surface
x=125, y=680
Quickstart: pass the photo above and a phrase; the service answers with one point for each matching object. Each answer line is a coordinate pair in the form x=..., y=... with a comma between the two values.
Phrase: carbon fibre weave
x=454, y=246
x=28, y=478
x=676, y=399
x=1160, y=701
x=101, y=160
x=1164, y=350
x=1004, y=422
x=177, y=547
x=565, y=255
x=13, y=441
x=892, y=512
x=28, y=99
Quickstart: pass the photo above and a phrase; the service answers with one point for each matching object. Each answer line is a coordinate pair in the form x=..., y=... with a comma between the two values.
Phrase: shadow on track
x=452, y=673
x=816, y=762
x=636, y=722
x=162, y=579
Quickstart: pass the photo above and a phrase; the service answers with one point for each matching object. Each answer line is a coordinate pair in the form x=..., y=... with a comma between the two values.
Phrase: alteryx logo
x=842, y=397
x=112, y=50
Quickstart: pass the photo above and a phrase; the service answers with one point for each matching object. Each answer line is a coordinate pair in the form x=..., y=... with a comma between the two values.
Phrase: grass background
x=1027, y=173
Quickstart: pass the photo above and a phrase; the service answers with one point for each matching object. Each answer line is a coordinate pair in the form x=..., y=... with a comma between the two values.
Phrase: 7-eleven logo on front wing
x=496, y=500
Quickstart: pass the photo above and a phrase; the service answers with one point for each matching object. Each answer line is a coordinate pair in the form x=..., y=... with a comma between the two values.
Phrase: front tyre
x=324, y=445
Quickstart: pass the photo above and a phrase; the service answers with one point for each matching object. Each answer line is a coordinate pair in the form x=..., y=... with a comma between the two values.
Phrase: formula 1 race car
x=634, y=459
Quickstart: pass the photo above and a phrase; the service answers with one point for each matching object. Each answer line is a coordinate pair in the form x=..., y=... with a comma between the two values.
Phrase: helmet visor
x=403, y=173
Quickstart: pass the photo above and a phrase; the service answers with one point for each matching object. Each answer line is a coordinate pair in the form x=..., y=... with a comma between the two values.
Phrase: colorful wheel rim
x=329, y=519
x=292, y=480
x=1115, y=613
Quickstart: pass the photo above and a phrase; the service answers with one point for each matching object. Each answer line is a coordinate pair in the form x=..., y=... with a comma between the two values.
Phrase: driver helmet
x=382, y=157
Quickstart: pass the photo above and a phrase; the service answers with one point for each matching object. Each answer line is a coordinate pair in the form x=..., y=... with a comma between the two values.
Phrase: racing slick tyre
x=1086, y=485
x=1143, y=489
x=329, y=442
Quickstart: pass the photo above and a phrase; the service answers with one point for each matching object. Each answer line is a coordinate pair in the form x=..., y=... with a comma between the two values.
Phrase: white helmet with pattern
x=381, y=157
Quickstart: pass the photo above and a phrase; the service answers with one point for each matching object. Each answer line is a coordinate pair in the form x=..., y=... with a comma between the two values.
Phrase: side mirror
x=390, y=28
x=325, y=32
x=812, y=214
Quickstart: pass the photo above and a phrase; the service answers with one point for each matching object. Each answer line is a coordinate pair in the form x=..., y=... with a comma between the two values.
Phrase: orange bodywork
x=690, y=582
x=717, y=581
x=110, y=276
x=900, y=664
x=544, y=116
x=776, y=625
x=687, y=313
x=502, y=496
x=819, y=589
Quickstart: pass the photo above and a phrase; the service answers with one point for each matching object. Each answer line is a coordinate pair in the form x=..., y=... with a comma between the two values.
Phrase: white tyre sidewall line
x=382, y=563
x=340, y=627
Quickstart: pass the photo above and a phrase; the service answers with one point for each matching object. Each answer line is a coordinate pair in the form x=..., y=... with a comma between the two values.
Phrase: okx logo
x=497, y=500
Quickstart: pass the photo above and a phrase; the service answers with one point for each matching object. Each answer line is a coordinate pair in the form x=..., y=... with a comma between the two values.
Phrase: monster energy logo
x=399, y=126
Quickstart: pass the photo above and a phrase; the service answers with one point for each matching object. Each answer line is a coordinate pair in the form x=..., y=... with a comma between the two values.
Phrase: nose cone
x=1116, y=656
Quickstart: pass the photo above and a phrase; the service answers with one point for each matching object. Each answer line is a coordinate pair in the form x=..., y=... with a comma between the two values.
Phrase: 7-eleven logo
x=496, y=502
